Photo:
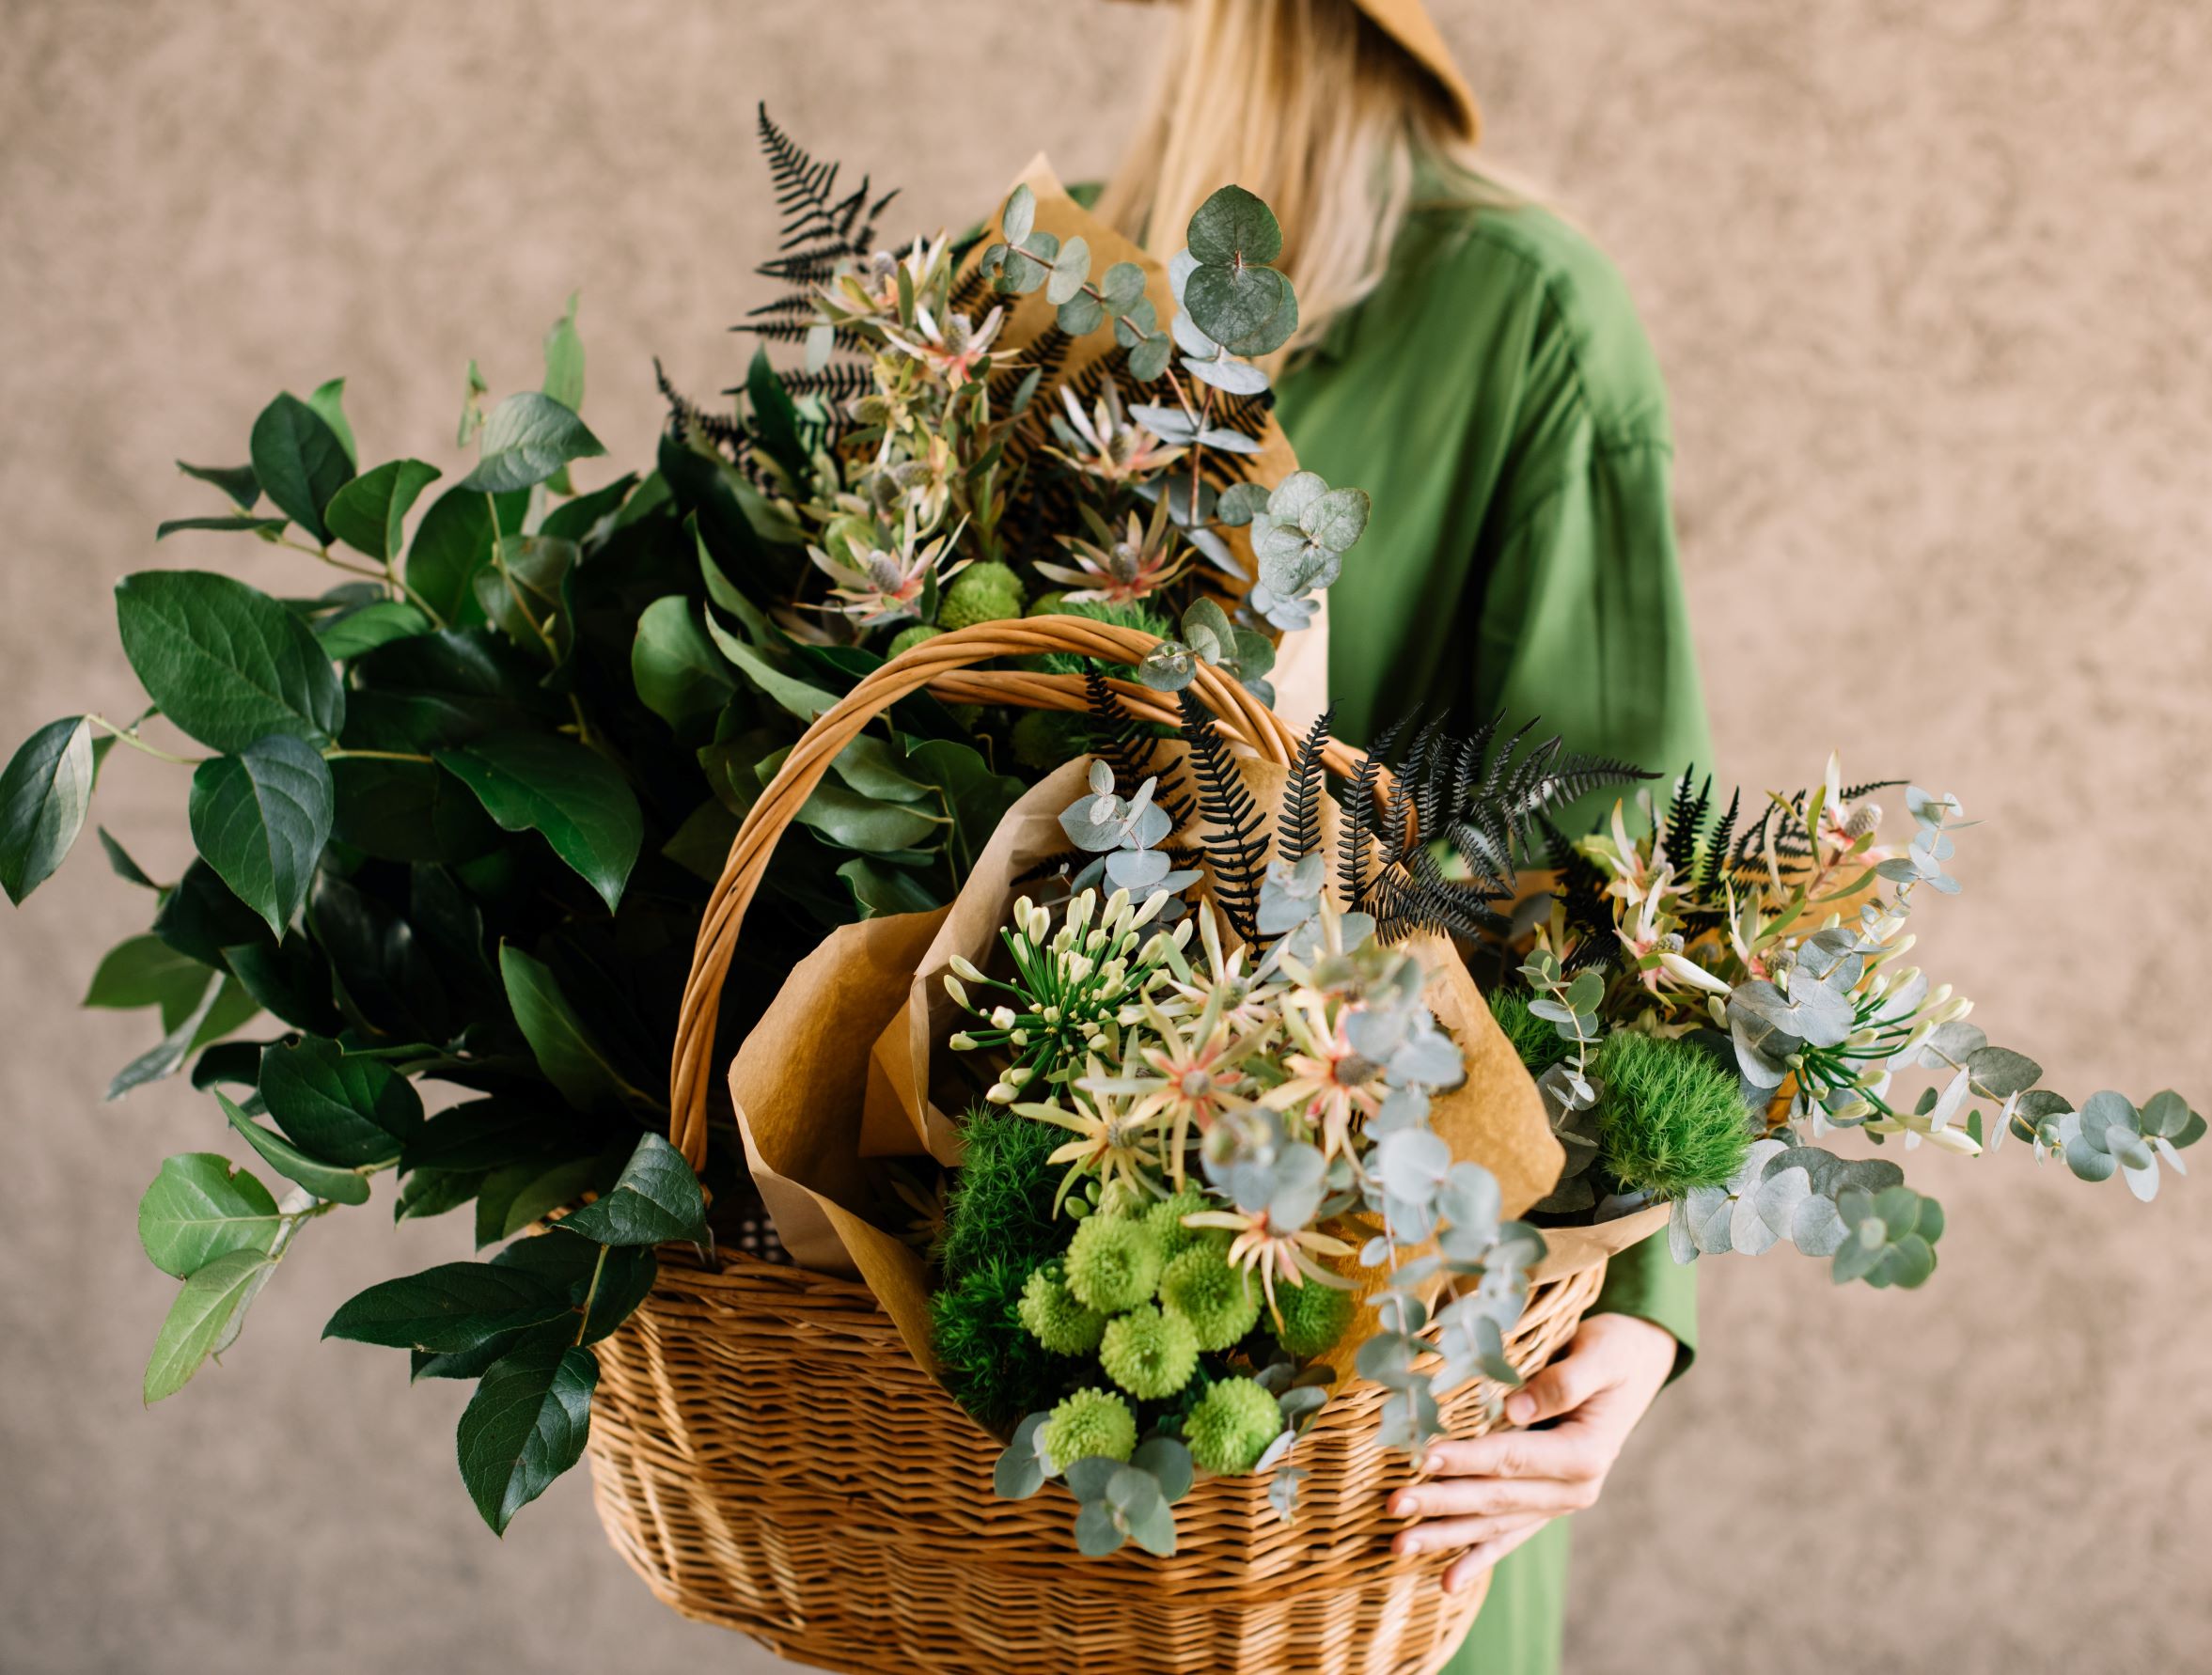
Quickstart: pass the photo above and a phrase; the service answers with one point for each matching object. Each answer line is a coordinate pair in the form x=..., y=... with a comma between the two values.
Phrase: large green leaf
x=526, y=595
x=853, y=822
x=267, y=528
x=203, y=1319
x=200, y=1208
x=575, y=520
x=879, y=889
x=564, y=360
x=483, y=1134
x=44, y=794
x=571, y=1056
x=356, y=633
x=324, y=1179
x=223, y=1004
x=329, y=400
x=522, y=1195
x=261, y=819
x=454, y=541
x=447, y=1308
x=300, y=462
x=622, y=1274
x=569, y=792
x=678, y=673
x=238, y=481
x=345, y=1106
x=774, y=422
x=525, y=1425
x=526, y=439
x=800, y=697
x=371, y=512
x=225, y=661
x=975, y=796
x=656, y=1198
x=142, y=971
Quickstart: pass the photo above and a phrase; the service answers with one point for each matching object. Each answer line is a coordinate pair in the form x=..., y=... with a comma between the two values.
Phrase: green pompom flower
x=1231, y=1426
x=986, y=591
x=910, y=636
x=1539, y=1045
x=1220, y=1300
x=1047, y=738
x=1048, y=604
x=1054, y=1318
x=1112, y=1264
x=1311, y=1317
x=1091, y=1425
x=1164, y=1221
x=1150, y=1354
x=1672, y=1116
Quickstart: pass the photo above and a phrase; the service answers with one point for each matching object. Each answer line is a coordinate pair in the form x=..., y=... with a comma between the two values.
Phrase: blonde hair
x=1313, y=107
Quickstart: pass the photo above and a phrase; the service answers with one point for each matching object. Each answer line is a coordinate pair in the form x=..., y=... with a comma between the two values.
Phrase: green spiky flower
x=1672, y=1116
x=1314, y=1316
x=1090, y=1424
x=1119, y=615
x=910, y=636
x=1000, y=1204
x=1231, y=1426
x=1539, y=1045
x=1149, y=1353
x=1112, y=1265
x=1054, y=1318
x=1220, y=1300
x=985, y=591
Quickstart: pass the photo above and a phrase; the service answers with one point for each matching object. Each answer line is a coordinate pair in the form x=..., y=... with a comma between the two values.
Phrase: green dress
x=1497, y=399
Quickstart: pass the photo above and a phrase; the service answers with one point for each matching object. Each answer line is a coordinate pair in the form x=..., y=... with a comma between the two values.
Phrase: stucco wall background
x=1932, y=286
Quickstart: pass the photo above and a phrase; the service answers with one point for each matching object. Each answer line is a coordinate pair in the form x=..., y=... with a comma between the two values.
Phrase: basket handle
x=945, y=662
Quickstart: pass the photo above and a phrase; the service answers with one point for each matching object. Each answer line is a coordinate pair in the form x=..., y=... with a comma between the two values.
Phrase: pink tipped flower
x=1135, y=565
x=1285, y=1254
x=953, y=349
x=1332, y=1085
x=1104, y=442
x=881, y=584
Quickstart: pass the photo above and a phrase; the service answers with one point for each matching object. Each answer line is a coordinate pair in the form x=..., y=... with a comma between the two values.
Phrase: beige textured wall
x=1933, y=283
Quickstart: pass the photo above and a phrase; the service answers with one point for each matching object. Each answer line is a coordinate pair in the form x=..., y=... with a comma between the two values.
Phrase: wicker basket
x=769, y=1457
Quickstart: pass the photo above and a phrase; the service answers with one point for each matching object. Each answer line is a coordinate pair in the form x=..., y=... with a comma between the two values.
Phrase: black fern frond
x=1685, y=818
x=1356, y=838
x=722, y=430
x=1851, y=793
x=837, y=384
x=1120, y=739
x=792, y=302
x=794, y=330
x=1237, y=848
x=1297, y=829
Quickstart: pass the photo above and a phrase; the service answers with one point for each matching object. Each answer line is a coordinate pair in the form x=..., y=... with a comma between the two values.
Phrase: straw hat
x=1409, y=23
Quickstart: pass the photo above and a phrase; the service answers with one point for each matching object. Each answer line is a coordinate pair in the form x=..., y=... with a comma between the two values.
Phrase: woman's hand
x=1491, y=1495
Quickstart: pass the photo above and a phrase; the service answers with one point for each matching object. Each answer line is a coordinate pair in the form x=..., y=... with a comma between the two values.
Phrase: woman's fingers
x=1566, y=1451
x=1560, y=1388
x=1443, y=1497
x=1477, y=1559
x=1450, y=1535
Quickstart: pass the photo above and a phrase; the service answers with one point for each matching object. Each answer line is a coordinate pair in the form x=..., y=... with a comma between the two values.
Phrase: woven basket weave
x=769, y=1457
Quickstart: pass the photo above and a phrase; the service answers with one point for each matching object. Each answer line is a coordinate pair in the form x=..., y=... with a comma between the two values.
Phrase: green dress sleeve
x=1583, y=623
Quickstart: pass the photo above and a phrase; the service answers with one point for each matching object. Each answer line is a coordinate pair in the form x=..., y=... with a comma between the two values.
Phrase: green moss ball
x=1054, y=1318
x=1313, y=1316
x=1150, y=1354
x=987, y=591
x=1113, y=1264
x=1231, y=1427
x=1538, y=1043
x=910, y=636
x=1220, y=1300
x=1047, y=738
x=1091, y=1425
x=1048, y=604
x=1669, y=1115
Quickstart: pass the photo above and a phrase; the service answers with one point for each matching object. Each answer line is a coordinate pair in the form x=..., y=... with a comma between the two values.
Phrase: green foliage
x=1090, y=1425
x=1310, y=1319
x=1043, y=739
x=1535, y=1042
x=986, y=591
x=1220, y=1300
x=1001, y=1203
x=990, y=1361
x=1231, y=1426
x=1113, y=1265
x=1149, y=1353
x=1670, y=1116
x=1054, y=1316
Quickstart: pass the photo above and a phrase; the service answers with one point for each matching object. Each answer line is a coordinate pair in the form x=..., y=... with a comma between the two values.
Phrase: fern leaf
x=1297, y=829
x=1237, y=848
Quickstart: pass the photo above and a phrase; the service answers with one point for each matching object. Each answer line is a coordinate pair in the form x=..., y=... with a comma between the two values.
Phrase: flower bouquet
x=1110, y=1105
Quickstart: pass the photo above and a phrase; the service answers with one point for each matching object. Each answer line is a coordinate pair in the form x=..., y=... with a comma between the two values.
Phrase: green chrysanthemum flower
x=1048, y=604
x=1090, y=1424
x=1220, y=1300
x=910, y=636
x=1231, y=1426
x=1672, y=1116
x=1164, y=1220
x=1313, y=1315
x=1112, y=1264
x=986, y=591
x=1150, y=1354
x=1054, y=1318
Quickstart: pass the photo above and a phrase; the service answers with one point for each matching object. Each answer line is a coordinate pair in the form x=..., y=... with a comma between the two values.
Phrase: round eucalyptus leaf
x=1233, y=225
x=1071, y=271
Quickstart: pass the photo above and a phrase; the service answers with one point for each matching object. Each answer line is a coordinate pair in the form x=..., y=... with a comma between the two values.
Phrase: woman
x=1474, y=363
